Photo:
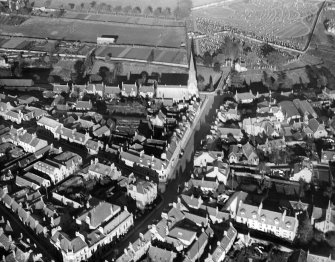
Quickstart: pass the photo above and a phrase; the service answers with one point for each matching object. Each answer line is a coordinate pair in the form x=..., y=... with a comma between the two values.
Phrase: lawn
x=88, y=31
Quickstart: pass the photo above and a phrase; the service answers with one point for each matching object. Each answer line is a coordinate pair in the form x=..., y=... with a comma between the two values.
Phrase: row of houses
x=60, y=132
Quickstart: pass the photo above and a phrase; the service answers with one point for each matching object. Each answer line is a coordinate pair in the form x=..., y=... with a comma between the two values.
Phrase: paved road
x=184, y=167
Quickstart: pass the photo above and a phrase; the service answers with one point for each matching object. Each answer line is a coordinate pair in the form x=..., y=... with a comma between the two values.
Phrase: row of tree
x=181, y=11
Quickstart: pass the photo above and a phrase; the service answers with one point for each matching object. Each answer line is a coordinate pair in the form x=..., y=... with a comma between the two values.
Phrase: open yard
x=87, y=31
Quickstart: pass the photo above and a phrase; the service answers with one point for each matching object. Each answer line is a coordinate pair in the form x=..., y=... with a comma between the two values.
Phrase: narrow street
x=43, y=246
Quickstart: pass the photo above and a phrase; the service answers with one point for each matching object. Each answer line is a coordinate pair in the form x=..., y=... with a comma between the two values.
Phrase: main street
x=183, y=170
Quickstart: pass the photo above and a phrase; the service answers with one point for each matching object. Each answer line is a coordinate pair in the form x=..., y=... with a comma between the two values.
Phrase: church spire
x=192, y=76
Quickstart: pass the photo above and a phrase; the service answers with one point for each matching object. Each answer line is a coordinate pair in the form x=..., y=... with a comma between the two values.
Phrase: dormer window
x=263, y=218
x=276, y=220
x=288, y=224
x=254, y=214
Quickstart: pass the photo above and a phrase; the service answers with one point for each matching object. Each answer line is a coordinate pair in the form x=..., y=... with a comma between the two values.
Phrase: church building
x=182, y=91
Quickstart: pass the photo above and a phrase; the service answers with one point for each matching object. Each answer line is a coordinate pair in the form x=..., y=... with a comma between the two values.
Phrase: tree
x=148, y=11
x=137, y=10
x=183, y=9
x=217, y=67
x=103, y=71
x=210, y=85
x=82, y=5
x=109, y=78
x=95, y=78
x=158, y=11
x=93, y=4
x=305, y=229
x=118, y=68
x=118, y=9
x=79, y=69
x=89, y=61
x=266, y=49
x=330, y=238
x=201, y=84
x=167, y=12
x=108, y=57
x=51, y=79
x=208, y=59
x=127, y=9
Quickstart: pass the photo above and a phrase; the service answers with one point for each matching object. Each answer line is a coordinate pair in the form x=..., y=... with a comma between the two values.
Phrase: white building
x=144, y=192
x=55, y=171
x=279, y=224
x=106, y=39
x=99, y=170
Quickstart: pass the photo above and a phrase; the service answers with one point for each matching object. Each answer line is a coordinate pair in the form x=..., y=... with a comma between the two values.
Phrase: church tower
x=192, y=83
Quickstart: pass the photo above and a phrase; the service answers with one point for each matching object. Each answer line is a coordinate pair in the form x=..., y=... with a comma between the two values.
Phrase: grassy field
x=87, y=31
x=285, y=19
x=129, y=19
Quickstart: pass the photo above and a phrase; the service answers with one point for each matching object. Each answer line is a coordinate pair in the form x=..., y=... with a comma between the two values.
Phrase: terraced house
x=276, y=223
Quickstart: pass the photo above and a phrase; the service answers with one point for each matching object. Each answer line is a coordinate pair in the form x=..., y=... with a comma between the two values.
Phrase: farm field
x=86, y=31
x=269, y=18
x=139, y=20
x=113, y=3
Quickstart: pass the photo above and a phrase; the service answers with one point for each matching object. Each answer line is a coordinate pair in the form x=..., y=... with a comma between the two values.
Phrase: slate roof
x=100, y=213
x=194, y=252
x=112, y=90
x=21, y=182
x=177, y=92
x=267, y=216
x=84, y=105
x=46, y=121
x=289, y=108
x=35, y=178
x=17, y=82
x=182, y=234
x=76, y=244
x=161, y=255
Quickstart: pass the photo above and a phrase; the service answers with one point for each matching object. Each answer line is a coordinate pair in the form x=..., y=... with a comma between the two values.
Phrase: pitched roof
x=289, y=108
x=84, y=104
x=182, y=234
x=35, y=178
x=21, y=182
x=314, y=125
x=46, y=121
x=173, y=92
x=161, y=255
x=194, y=252
x=76, y=244
x=16, y=82
x=272, y=218
x=112, y=90
x=100, y=213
